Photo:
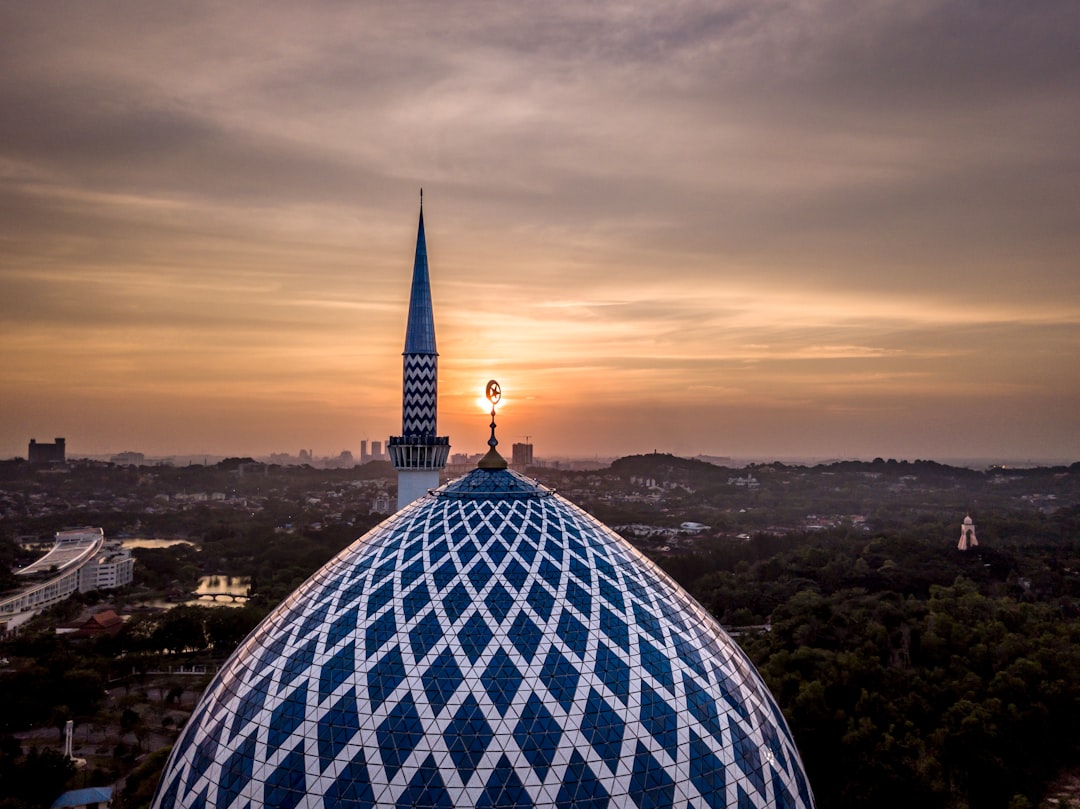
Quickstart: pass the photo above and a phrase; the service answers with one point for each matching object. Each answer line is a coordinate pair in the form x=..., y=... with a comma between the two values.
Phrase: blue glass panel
x=335, y=671
x=615, y=628
x=385, y=676
x=649, y=622
x=236, y=772
x=497, y=551
x=504, y=789
x=781, y=796
x=657, y=664
x=441, y=680
x=659, y=719
x=525, y=636
x=426, y=790
x=205, y=755
x=610, y=593
x=605, y=569
x=501, y=679
x=168, y=799
x=275, y=645
x=383, y=570
x=745, y=802
x=526, y=548
x=560, y=677
x=351, y=593
x=479, y=575
x=438, y=551
x=581, y=570
x=686, y=652
x=250, y=704
x=474, y=637
x=703, y=707
x=581, y=789
x=551, y=574
x=399, y=734
x=415, y=546
x=515, y=574
x=286, y=786
x=541, y=600
x=499, y=602
x=573, y=633
x=286, y=718
x=578, y=597
x=800, y=782
x=650, y=785
x=707, y=773
x=315, y=620
x=771, y=737
x=336, y=727
x=746, y=754
x=379, y=632
x=537, y=735
x=380, y=598
x=412, y=573
x=467, y=737
x=415, y=600
x=341, y=627
x=456, y=602
x=352, y=788
x=300, y=661
x=465, y=552
x=425, y=635
x=613, y=671
x=604, y=728
x=732, y=695
x=444, y=575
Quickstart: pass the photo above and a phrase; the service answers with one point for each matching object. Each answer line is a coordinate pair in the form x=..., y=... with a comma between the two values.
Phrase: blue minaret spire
x=418, y=453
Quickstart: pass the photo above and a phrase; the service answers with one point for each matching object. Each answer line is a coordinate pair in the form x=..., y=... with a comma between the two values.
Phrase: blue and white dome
x=491, y=645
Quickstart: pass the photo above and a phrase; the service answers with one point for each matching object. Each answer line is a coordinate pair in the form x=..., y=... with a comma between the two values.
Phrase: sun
x=485, y=403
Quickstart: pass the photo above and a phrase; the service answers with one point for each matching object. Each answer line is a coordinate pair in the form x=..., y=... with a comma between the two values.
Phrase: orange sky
x=824, y=229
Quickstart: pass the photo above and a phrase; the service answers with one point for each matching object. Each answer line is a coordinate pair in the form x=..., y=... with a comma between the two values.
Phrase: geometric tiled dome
x=491, y=645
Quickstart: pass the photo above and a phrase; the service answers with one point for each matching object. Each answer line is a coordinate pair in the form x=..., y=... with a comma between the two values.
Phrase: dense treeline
x=911, y=673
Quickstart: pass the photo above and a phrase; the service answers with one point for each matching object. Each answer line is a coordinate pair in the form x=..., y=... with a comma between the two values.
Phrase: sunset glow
x=748, y=230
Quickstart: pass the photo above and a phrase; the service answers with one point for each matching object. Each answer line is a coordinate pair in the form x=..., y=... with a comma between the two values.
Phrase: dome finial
x=493, y=460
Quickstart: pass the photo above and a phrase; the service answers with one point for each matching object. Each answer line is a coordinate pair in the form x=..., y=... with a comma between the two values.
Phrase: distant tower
x=418, y=453
x=47, y=453
x=967, y=535
x=363, y=452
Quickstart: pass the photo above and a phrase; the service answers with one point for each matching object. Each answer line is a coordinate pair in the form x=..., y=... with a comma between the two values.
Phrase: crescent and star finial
x=493, y=460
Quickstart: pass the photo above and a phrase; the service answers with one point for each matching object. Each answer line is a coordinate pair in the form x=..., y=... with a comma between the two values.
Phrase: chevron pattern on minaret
x=418, y=447
x=419, y=399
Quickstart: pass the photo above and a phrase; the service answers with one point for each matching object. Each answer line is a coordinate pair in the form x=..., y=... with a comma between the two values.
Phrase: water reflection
x=229, y=585
x=147, y=542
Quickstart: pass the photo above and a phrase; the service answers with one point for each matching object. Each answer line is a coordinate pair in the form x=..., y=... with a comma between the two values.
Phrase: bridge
x=229, y=596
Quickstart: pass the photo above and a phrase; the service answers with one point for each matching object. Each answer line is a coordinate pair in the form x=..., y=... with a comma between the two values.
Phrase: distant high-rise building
x=418, y=453
x=522, y=456
x=363, y=452
x=47, y=453
x=128, y=459
x=376, y=451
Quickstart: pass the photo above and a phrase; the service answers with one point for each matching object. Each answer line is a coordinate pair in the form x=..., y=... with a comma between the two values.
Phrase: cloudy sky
x=773, y=229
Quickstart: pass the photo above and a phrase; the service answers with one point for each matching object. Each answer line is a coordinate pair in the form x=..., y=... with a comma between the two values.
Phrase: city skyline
x=801, y=230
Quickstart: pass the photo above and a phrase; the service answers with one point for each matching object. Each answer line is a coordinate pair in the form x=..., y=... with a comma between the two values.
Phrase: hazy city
x=604, y=406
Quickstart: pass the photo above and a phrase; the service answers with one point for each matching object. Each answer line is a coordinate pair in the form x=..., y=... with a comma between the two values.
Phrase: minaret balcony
x=419, y=451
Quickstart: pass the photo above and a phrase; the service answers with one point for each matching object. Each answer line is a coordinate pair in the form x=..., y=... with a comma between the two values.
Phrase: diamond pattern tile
x=489, y=646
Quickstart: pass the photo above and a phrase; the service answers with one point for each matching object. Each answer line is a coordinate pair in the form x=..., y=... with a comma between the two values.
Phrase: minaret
x=418, y=453
x=967, y=535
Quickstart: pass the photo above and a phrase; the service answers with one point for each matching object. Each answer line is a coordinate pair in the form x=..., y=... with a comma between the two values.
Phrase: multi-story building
x=47, y=453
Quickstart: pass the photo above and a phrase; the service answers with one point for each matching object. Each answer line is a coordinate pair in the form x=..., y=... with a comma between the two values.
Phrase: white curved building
x=80, y=560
